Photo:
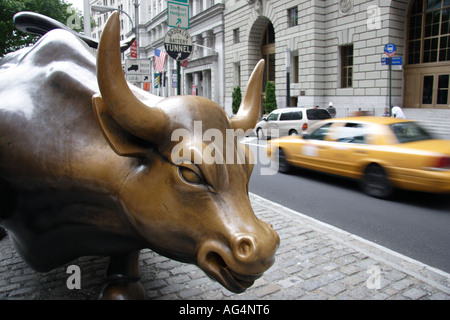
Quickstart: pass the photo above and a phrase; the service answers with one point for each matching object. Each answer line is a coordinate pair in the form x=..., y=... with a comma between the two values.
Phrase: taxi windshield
x=409, y=132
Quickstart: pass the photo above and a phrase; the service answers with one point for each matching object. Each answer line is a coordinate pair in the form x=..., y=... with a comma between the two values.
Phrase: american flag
x=160, y=58
x=184, y=63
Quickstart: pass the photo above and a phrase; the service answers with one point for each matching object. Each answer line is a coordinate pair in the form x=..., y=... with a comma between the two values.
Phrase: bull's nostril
x=215, y=259
x=244, y=247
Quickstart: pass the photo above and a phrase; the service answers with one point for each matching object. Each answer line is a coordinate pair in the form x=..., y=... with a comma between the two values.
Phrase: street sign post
x=137, y=66
x=178, y=45
x=137, y=70
x=396, y=61
x=390, y=49
x=177, y=15
x=138, y=78
x=133, y=50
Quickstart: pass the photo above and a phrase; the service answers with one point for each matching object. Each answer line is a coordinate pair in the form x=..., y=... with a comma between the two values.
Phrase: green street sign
x=177, y=15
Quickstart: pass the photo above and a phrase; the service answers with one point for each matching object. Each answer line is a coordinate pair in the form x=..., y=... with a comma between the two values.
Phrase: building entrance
x=268, y=54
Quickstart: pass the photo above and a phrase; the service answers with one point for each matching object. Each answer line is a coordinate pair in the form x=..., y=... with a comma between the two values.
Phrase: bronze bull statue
x=86, y=168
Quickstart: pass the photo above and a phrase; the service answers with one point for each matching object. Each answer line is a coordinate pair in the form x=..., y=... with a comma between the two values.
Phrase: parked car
x=289, y=121
x=382, y=153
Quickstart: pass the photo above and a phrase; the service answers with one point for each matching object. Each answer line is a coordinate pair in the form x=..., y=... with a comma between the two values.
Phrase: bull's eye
x=190, y=175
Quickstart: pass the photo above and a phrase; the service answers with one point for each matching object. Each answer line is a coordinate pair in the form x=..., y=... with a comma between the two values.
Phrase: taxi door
x=312, y=153
x=346, y=147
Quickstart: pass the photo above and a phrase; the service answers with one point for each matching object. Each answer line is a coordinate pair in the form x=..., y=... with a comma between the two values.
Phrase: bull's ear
x=122, y=142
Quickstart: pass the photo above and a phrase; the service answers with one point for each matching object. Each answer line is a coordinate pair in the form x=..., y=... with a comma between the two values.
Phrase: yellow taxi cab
x=382, y=153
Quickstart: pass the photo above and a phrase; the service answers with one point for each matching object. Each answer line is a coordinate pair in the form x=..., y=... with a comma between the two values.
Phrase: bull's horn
x=248, y=113
x=132, y=115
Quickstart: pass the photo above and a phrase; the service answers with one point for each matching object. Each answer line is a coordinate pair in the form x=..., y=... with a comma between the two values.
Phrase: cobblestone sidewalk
x=314, y=261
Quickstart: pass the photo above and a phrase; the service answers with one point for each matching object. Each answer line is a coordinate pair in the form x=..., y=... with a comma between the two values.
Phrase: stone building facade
x=335, y=48
x=204, y=73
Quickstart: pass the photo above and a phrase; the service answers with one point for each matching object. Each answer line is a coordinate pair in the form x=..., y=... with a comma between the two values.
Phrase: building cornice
x=215, y=10
x=195, y=63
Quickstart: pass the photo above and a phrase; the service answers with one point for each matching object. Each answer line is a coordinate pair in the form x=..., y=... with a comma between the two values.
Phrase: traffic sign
x=133, y=49
x=177, y=15
x=396, y=61
x=138, y=77
x=137, y=66
x=137, y=70
x=178, y=44
x=390, y=49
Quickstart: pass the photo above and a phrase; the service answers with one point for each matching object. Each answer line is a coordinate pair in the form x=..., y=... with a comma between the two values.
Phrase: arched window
x=429, y=31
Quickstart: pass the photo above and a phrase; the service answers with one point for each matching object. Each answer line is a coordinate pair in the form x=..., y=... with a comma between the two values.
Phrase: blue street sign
x=396, y=61
x=390, y=49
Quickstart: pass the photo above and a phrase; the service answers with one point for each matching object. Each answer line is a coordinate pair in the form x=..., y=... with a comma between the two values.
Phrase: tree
x=237, y=98
x=270, y=102
x=12, y=39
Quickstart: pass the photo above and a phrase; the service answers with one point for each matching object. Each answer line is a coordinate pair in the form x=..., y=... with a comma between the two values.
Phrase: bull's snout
x=256, y=248
x=237, y=264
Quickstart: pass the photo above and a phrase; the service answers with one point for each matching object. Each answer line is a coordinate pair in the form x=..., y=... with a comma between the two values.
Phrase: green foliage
x=270, y=103
x=237, y=98
x=12, y=39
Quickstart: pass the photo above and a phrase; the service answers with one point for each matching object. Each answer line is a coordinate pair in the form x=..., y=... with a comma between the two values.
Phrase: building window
x=442, y=94
x=237, y=74
x=293, y=17
x=236, y=36
x=346, y=66
x=429, y=31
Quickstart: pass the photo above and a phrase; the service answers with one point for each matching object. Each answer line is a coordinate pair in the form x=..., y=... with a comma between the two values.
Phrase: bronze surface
x=86, y=169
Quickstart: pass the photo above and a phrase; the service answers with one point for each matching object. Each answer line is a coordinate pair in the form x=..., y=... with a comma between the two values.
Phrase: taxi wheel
x=283, y=164
x=375, y=182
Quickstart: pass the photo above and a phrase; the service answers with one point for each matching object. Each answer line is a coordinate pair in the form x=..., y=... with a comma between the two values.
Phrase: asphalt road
x=414, y=224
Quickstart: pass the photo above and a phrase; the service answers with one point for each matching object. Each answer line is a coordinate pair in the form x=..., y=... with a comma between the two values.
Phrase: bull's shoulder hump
x=58, y=45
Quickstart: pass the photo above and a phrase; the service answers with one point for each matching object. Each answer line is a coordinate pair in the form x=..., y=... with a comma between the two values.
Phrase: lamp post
x=134, y=29
x=288, y=77
x=103, y=9
x=87, y=18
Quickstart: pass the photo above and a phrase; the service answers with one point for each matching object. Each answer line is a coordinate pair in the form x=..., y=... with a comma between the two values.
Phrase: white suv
x=289, y=121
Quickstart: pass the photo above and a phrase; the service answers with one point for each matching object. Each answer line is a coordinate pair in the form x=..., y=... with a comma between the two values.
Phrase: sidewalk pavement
x=315, y=261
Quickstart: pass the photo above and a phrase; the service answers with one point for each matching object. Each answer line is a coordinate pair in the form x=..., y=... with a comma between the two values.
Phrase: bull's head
x=192, y=211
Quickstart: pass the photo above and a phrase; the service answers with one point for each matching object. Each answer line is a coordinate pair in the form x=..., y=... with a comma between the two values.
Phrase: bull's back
x=45, y=108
